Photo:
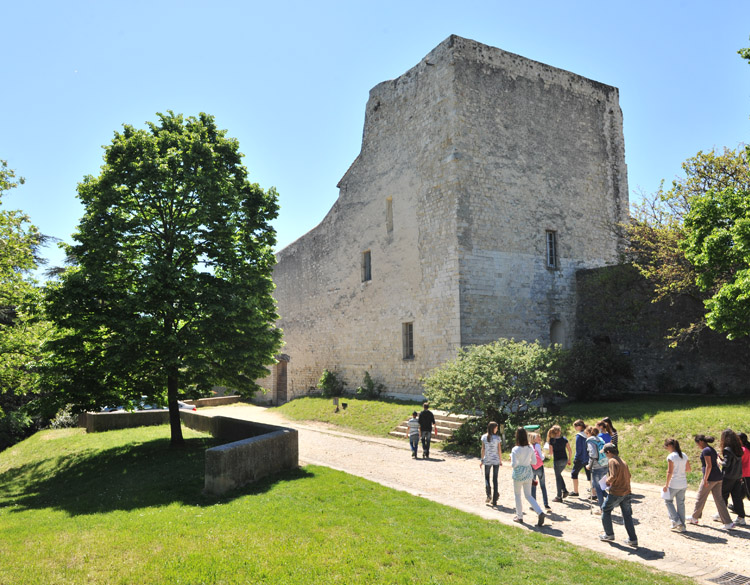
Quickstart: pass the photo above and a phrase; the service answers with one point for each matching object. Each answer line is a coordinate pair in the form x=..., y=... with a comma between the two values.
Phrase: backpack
x=599, y=444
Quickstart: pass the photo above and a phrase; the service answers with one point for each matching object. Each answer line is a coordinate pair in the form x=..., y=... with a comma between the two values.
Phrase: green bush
x=330, y=384
x=591, y=372
x=505, y=381
x=369, y=389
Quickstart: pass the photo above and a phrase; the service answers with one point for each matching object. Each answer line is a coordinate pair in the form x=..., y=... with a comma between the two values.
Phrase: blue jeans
x=539, y=476
x=627, y=515
x=414, y=443
x=676, y=505
x=495, y=469
x=596, y=475
x=559, y=466
x=426, y=436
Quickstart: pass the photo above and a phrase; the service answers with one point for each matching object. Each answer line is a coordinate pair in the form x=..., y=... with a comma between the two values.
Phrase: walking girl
x=676, y=485
x=710, y=483
x=745, y=464
x=561, y=457
x=536, y=442
x=610, y=430
x=521, y=458
x=492, y=453
x=731, y=458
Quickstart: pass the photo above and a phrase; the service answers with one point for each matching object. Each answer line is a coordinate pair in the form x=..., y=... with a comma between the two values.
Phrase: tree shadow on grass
x=123, y=478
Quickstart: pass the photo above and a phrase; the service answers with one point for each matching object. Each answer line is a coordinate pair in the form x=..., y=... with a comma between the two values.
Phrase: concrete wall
x=98, y=422
x=466, y=160
x=254, y=451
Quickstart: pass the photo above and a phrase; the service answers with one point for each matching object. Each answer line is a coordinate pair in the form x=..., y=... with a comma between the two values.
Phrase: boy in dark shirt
x=426, y=426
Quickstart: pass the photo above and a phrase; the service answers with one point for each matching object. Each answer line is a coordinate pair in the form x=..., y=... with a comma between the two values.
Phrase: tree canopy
x=22, y=332
x=170, y=291
x=674, y=234
x=717, y=243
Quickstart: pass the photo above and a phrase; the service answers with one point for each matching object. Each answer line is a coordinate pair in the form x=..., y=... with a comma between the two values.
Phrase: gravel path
x=704, y=552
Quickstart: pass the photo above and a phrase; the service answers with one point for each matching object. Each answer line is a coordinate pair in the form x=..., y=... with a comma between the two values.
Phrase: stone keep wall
x=466, y=160
x=539, y=149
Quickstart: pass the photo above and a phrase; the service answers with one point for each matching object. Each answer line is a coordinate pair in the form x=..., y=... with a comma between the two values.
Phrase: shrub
x=502, y=381
x=64, y=418
x=369, y=389
x=330, y=385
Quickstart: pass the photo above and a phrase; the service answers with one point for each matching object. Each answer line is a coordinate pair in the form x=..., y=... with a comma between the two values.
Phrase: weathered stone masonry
x=468, y=160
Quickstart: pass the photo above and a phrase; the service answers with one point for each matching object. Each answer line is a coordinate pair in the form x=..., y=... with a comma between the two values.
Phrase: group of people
x=731, y=479
x=597, y=454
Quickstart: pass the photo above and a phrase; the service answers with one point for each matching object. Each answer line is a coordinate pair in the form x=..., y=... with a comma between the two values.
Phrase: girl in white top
x=491, y=459
x=676, y=485
x=521, y=458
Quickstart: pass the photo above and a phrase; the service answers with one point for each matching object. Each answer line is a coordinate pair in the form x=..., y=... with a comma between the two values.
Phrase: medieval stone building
x=484, y=182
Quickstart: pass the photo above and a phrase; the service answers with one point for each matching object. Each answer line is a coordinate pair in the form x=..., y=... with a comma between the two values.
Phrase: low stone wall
x=252, y=450
x=256, y=450
x=214, y=401
x=97, y=422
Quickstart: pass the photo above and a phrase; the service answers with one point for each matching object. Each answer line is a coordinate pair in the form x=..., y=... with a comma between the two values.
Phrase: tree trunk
x=174, y=410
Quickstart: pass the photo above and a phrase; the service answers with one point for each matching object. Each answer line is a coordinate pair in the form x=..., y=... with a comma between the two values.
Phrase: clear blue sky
x=290, y=80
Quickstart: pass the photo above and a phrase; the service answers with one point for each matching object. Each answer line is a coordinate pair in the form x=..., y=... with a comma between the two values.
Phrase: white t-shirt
x=491, y=456
x=679, y=479
x=413, y=425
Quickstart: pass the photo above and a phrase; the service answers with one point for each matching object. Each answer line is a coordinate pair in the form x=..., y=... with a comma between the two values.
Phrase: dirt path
x=705, y=551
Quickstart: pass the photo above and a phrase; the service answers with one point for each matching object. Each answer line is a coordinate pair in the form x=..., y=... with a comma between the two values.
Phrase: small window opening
x=552, y=259
x=407, y=334
x=389, y=214
x=366, y=266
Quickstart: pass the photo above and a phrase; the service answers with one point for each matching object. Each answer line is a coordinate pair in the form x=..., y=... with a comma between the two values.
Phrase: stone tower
x=484, y=182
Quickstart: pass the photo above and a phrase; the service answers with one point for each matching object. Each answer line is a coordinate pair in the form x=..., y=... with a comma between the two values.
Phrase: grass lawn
x=643, y=423
x=121, y=507
x=368, y=417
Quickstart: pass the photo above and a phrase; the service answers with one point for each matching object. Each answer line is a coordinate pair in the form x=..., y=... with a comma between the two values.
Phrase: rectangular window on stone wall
x=407, y=334
x=552, y=259
x=366, y=266
x=389, y=214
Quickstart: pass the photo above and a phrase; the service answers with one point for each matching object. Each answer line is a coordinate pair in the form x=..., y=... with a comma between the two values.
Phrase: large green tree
x=688, y=240
x=170, y=291
x=21, y=331
x=717, y=243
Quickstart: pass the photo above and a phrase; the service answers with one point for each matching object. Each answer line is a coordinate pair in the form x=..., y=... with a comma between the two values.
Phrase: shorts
x=577, y=466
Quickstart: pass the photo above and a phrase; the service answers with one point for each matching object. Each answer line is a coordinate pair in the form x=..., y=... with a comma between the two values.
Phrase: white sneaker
x=691, y=520
x=729, y=526
x=679, y=528
x=739, y=521
x=631, y=542
x=716, y=518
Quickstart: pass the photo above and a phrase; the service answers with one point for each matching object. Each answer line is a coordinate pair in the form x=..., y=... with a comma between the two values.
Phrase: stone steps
x=445, y=422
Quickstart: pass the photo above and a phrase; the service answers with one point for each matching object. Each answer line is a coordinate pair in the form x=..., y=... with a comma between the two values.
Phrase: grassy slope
x=369, y=417
x=120, y=507
x=643, y=423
